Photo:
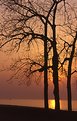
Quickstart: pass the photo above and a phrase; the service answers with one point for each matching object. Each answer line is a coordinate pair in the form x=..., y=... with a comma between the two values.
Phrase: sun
x=51, y=104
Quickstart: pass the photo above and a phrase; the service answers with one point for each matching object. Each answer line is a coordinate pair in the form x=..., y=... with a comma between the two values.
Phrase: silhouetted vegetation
x=49, y=23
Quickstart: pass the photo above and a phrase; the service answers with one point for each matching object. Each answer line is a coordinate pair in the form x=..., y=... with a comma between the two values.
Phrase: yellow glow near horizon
x=52, y=104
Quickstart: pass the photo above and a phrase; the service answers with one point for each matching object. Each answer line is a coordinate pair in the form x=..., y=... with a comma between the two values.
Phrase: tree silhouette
x=28, y=11
x=69, y=73
x=29, y=22
x=70, y=46
x=69, y=69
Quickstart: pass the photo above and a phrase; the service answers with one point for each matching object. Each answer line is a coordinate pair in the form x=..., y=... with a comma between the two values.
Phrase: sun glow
x=52, y=104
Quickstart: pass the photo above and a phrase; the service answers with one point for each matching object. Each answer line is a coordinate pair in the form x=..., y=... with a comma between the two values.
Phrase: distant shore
x=23, y=113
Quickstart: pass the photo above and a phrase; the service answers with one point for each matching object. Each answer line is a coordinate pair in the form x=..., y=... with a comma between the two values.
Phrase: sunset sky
x=34, y=91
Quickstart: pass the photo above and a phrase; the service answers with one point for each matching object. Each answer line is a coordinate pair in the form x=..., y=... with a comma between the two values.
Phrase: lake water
x=37, y=103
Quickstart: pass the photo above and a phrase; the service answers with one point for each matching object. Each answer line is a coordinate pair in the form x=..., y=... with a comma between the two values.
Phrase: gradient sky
x=34, y=91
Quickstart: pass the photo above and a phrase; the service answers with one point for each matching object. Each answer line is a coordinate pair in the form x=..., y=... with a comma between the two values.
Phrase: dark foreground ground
x=20, y=113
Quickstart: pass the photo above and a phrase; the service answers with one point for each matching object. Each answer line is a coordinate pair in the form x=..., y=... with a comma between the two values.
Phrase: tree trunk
x=69, y=92
x=46, y=62
x=55, y=79
x=55, y=71
x=45, y=69
x=45, y=76
x=69, y=96
x=55, y=63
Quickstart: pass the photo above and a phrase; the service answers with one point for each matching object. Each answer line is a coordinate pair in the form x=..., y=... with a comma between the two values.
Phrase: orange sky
x=34, y=91
x=13, y=90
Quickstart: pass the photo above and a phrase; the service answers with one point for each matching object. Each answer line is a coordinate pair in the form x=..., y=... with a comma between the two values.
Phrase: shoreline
x=24, y=113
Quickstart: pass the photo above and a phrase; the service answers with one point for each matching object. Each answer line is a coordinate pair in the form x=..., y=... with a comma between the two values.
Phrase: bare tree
x=69, y=38
x=26, y=13
x=69, y=73
x=29, y=22
x=26, y=28
x=70, y=47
